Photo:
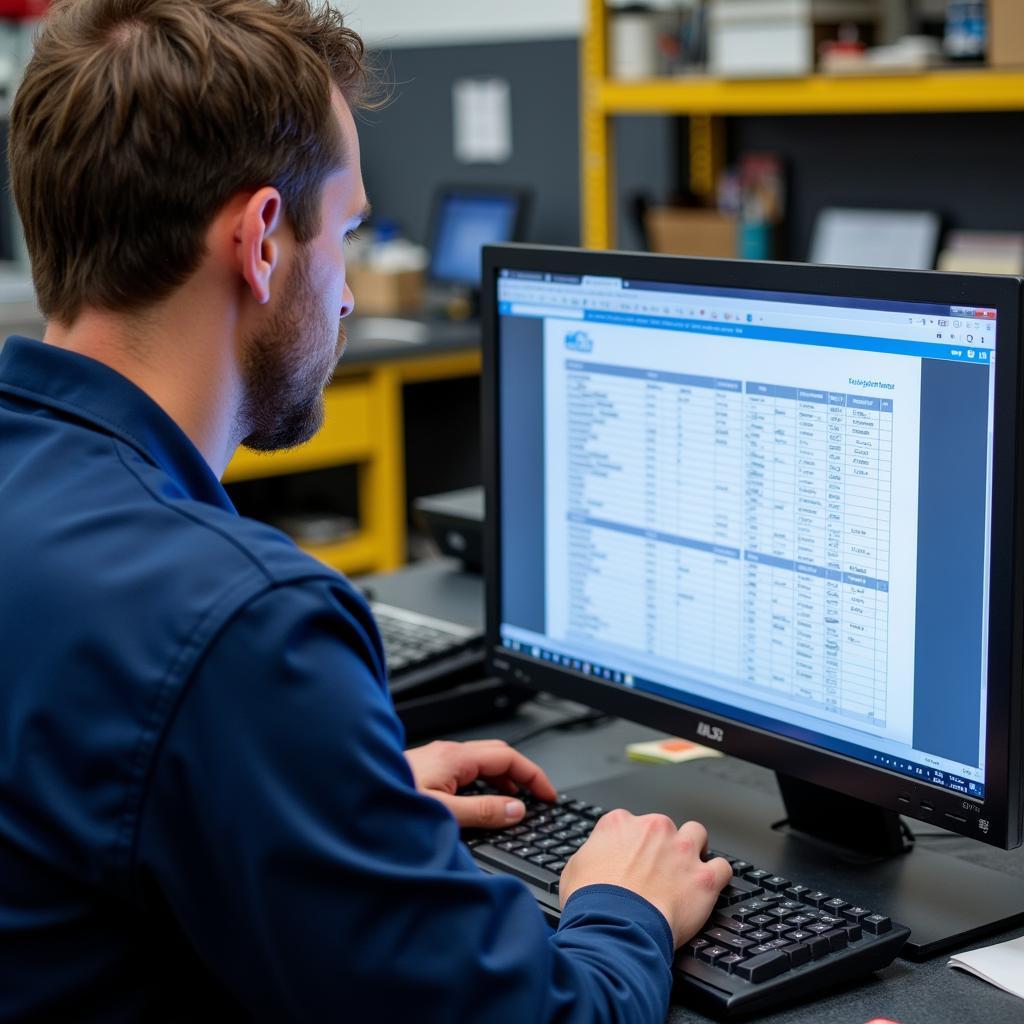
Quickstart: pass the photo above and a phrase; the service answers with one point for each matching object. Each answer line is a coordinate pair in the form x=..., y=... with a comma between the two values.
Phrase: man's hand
x=654, y=859
x=441, y=769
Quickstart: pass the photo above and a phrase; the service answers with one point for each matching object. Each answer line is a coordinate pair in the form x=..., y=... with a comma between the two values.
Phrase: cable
x=590, y=718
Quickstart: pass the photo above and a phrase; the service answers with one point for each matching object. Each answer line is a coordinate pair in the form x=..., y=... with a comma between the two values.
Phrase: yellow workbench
x=363, y=425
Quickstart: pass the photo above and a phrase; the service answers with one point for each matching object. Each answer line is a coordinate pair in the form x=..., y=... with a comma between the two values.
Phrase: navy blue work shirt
x=205, y=812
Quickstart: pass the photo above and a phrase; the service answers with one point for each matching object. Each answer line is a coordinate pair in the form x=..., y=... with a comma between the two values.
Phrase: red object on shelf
x=23, y=8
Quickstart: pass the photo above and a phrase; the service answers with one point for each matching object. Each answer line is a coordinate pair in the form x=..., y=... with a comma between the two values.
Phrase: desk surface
x=911, y=993
x=375, y=339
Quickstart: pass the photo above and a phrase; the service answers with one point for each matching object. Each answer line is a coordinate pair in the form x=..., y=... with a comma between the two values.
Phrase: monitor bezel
x=520, y=195
x=996, y=820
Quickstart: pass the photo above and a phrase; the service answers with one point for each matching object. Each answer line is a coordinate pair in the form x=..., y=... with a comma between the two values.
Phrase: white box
x=761, y=38
x=773, y=38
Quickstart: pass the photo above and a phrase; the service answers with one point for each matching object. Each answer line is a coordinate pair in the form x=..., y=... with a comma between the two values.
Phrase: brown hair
x=138, y=119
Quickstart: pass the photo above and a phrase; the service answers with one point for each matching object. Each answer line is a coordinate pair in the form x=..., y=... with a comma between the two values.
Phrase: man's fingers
x=723, y=872
x=483, y=811
x=697, y=835
x=495, y=759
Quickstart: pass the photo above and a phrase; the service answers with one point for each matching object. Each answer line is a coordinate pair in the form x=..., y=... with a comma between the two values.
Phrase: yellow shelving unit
x=706, y=100
x=363, y=425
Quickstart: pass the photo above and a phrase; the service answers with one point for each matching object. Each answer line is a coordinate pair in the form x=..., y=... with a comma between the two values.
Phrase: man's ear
x=258, y=247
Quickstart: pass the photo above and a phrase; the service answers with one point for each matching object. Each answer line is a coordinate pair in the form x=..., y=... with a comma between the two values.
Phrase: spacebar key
x=511, y=865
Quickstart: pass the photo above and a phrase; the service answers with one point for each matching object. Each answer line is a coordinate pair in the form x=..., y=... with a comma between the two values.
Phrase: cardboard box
x=1006, y=33
x=682, y=231
x=384, y=292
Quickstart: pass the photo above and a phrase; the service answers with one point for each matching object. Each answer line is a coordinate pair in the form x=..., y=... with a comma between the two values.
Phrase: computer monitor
x=776, y=509
x=465, y=219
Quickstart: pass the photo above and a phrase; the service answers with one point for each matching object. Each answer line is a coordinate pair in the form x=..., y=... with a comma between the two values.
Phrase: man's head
x=140, y=122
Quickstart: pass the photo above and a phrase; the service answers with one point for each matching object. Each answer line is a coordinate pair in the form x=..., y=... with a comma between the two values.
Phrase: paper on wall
x=482, y=121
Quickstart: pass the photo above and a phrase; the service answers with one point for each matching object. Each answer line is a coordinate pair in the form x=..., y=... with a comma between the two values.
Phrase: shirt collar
x=101, y=397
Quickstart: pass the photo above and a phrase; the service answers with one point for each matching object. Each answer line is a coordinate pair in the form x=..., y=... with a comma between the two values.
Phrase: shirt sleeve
x=282, y=827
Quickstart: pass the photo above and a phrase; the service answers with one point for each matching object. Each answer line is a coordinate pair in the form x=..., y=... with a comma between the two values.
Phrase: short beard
x=288, y=363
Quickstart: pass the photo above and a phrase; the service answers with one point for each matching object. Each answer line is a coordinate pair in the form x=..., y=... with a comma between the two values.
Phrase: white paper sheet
x=1001, y=965
x=482, y=120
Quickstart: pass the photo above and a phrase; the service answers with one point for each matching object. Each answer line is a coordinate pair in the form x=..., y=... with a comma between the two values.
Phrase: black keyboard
x=420, y=647
x=768, y=941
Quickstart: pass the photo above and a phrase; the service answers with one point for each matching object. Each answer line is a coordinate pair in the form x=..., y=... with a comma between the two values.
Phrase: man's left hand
x=442, y=768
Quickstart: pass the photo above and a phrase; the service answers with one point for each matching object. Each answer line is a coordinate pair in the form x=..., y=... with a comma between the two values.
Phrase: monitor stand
x=946, y=902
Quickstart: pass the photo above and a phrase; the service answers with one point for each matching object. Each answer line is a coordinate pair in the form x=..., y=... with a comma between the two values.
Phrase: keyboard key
x=739, y=866
x=836, y=939
x=761, y=968
x=815, y=897
x=729, y=961
x=855, y=914
x=565, y=850
x=799, y=935
x=819, y=947
x=876, y=923
x=557, y=866
x=730, y=895
x=761, y=920
x=756, y=875
x=514, y=865
x=798, y=954
x=748, y=885
x=761, y=948
x=832, y=922
x=800, y=920
x=778, y=929
x=834, y=906
x=793, y=905
x=853, y=932
x=709, y=954
x=694, y=946
x=794, y=892
x=778, y=913
x=731, y=942
x=721, y=919
x=776, y=943
x=543, y=859
x=818, y=928
x=760, y=935
x=775, y=883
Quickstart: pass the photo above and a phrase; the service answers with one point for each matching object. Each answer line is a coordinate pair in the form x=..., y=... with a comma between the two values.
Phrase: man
x=205, y=810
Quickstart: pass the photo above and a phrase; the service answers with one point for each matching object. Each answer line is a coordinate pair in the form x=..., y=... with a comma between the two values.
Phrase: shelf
x=940, y=91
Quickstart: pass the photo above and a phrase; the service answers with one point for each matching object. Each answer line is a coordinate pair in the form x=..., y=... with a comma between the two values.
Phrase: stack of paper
x=1001, y=965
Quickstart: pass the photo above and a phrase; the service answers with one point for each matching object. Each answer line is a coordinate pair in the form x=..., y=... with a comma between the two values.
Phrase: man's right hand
x=654, y=859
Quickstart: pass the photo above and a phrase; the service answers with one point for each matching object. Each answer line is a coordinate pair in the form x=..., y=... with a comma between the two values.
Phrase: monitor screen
x=770, y=506
x=464, y=222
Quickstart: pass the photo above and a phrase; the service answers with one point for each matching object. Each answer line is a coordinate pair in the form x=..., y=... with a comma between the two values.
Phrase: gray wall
x=966, y=166
x=407, y=147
